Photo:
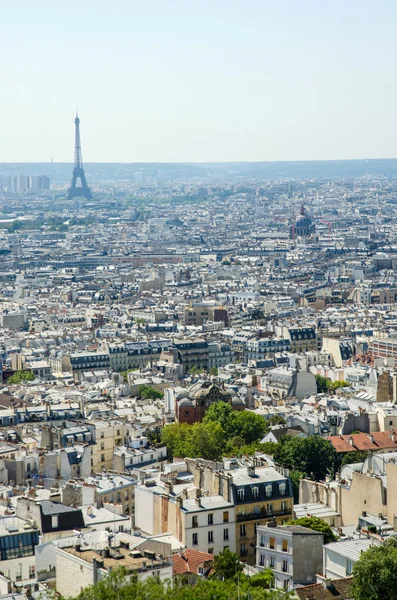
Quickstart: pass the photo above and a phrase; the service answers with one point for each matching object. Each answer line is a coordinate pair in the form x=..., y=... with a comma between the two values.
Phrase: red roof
x=190, y=561
x=380, y=440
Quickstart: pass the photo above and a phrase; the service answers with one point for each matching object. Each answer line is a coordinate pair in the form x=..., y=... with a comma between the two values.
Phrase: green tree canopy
x=353, y=457
x=223, y=431
x=146, y=391
x=227, y=565
x=322, y=384
x=316, y=524
x=375, y=573
x=313, y=456
x=206, y=440
x=244, y=424
x=117, y=586
x=20, y=377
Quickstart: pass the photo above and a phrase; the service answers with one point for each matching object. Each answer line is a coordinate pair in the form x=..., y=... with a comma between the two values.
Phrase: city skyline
x=219, y=82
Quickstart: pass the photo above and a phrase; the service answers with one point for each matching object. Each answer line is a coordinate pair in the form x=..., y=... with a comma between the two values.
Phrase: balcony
x=264, y=515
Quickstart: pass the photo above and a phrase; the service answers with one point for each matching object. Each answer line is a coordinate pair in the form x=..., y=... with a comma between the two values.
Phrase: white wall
x=144, y=509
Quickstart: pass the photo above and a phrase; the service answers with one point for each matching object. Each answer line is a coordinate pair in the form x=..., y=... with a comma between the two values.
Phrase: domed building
x=303, y=226
x=192, y=403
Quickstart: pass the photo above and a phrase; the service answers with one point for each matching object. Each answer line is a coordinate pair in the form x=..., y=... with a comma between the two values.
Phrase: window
x=285, y=566
x=285, y=545
x=102, y=434
x=31, y=571
x=242, y=531
x=194, y=521
x=272, y=562
x=255, y=492
x=102, y=445
x=194, y=539
x=256, y=525
x=210, y=519
x=226, y=547
x=390, y=422
x=268, y=490
x=121, y=527
x=270, y=507
x=243, y=550
x=286, y=584
x=262, y=560
x=54, y=521
x=102, y=458
x=282, y=488
x=272, y=543
x=226, y=516
x=226, y=535
x=283, y=506
x=118, y=432
x=210, y=537
x=262, y=542
x=240, y=493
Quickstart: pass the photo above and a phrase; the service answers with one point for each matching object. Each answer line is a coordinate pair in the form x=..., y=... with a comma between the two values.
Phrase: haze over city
x=224, y=80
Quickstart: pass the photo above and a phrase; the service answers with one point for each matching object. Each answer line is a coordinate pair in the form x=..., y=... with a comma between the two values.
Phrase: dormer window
x=240, y=493
x=255, y=492
x=268, y=490
x=283, y=488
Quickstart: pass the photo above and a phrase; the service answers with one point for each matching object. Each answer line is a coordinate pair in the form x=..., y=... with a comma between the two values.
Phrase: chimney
x=251, y=471
x=327, y=583
x=179, y=502
x=97, y=563
x=168, y=488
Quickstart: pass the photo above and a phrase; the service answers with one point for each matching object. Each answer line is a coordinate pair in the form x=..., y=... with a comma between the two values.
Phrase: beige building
x=239, y=499
x=109, y=435
x=77, y=567
x=370, y=489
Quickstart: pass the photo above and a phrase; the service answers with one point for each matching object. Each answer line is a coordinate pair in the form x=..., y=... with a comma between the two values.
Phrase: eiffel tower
x=78, y=171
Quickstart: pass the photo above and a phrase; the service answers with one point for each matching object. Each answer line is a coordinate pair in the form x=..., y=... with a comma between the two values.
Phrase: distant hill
x=321, y=169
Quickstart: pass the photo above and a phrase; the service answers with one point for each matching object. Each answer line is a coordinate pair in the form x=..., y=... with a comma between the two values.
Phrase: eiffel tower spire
x=78, y=171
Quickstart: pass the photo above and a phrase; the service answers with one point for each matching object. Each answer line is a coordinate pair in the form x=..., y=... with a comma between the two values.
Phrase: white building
x=339, y=558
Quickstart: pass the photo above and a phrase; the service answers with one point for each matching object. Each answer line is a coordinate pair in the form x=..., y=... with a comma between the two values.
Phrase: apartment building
x=109, y=435
x=294, y=553
x=260, y=495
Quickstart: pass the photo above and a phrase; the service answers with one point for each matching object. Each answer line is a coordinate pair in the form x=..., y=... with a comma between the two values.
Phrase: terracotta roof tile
x=379, y=440
x=190, y=561
x=338, y=589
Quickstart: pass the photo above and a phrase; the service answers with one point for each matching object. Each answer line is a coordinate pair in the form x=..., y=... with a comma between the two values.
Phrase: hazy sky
x=198, y=80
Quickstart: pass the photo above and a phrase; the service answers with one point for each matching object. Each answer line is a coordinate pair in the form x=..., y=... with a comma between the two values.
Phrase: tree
x=264, y=579
x=20, y=377
x=219, y=412
x=207, y=440
x=322, y=384
x=118, y=586
x=248, y=425
x=353, y=457
x=227, y=565
x=214, y=371
x=316, y=524
x=335, y=385
x=146, y=391
x=375, y=573
x=296, y=477
x=277, y=420
x=313, y=456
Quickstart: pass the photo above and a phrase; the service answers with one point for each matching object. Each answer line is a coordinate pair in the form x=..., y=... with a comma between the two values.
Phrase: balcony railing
x=264, y=515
